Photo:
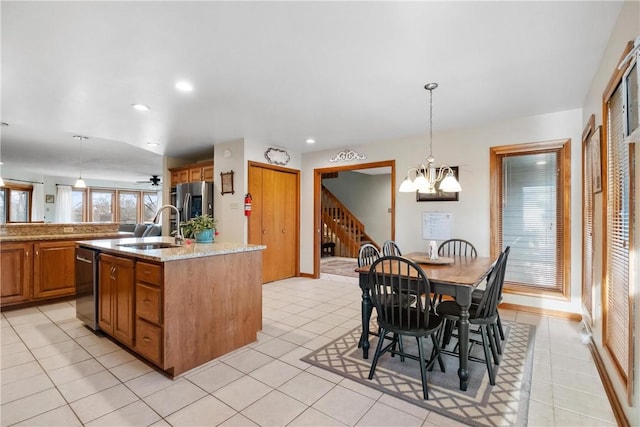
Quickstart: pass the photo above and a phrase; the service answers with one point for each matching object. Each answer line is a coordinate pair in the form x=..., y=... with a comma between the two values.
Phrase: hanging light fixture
x=80, y=182
x=428, y=176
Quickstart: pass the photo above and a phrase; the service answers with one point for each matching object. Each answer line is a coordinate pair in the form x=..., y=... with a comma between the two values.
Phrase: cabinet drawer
x=148, y=273
x=149, y=341
x=148, y=303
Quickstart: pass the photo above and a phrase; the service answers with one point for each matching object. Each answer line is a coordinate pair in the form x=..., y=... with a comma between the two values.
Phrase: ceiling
x=342, y=73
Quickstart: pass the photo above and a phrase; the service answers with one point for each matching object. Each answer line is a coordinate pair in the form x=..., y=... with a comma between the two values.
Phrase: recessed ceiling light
x=184, y=86
x=311, y=141
x=541, y=162
x=141, y=107
x=153, y=144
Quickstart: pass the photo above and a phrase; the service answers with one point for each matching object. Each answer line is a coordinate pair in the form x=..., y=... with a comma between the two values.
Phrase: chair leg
x=423, y=368
x=448, y=331
x=493, y=343
x=496, y=333
x=376, y=356
x=436, y=352
x=500, y=327
x=487, y=355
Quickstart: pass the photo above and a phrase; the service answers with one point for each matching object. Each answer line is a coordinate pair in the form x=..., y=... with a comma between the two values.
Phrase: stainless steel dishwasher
x=87, y=286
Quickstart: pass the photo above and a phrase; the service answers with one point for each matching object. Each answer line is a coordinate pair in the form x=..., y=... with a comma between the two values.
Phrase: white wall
x=228, y=208
x=468, y=149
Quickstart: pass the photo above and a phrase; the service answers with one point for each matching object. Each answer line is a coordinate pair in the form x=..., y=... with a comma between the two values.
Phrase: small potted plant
x=201, y=227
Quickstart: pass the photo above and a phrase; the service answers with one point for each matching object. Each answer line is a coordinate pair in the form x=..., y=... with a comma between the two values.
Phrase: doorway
x=318, y=174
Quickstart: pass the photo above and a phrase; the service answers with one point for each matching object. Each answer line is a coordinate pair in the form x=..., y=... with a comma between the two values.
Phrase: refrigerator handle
x=186, y=206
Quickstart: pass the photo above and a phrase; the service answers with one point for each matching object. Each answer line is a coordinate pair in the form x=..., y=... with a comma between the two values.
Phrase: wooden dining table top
x=462, y=271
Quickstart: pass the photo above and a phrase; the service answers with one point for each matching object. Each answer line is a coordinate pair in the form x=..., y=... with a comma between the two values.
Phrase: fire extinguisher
x=247, y=204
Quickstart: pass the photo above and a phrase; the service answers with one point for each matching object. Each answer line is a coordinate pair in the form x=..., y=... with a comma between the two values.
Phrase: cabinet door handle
x=37, y=253
x=146, y=339
x=264, y=231
x=146, y=300
x=284, y=231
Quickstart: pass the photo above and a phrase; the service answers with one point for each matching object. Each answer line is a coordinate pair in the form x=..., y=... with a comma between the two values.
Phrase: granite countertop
x=61, y=236
x=189, y=249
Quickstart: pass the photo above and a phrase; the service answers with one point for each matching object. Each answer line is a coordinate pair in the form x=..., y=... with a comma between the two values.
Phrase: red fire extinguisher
x=247, y=204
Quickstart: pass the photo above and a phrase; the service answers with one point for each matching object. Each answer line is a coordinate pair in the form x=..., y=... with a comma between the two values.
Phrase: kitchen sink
x=149, y=245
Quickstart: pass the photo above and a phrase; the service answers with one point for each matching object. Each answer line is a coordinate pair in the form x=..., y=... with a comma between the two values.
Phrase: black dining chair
x=457, y=247
x=390, y=248
x=483, y=314
x=454, y=247
x=391, y=279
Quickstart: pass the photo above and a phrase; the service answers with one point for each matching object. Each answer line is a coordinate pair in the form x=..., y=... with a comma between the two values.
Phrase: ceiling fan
x=154, y=180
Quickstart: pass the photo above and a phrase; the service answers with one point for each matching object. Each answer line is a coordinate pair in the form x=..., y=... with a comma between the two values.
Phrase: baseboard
x=542, y=311
x=307, y=275
x=616, y=407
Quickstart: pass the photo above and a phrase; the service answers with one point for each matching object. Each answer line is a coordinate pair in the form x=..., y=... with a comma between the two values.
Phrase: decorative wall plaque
x=276, y=156
x=347, y=156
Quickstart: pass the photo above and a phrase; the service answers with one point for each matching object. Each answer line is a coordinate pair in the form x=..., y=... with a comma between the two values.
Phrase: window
x=79, y=202
x=102, y=204
x=150, y=206
x=128, y=207
x=15, y=203
x=590, y=136
x=529, y=211
x=618, y=316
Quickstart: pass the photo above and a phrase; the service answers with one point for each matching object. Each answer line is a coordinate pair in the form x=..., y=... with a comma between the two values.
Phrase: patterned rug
x=504, y=404
x=340, y=266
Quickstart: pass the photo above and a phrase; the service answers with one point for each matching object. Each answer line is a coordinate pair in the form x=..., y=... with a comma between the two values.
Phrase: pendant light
x=80, y=182
x=428, y=176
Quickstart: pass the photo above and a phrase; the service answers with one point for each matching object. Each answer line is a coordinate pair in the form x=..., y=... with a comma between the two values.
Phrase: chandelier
x=428, y=176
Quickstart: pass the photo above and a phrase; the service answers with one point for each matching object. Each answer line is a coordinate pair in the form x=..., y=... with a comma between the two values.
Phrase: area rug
x=339, y=266
x=506, y=403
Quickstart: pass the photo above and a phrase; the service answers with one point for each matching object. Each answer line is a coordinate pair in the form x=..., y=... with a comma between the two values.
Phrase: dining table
x=455, y=276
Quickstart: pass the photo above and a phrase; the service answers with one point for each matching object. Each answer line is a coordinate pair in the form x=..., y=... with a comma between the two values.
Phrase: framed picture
x=439, y=196
x=227, y=182
x=49, y=198
x=596, y=159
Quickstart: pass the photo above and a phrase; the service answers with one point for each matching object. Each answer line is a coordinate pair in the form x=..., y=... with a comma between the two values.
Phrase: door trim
x=317, y=191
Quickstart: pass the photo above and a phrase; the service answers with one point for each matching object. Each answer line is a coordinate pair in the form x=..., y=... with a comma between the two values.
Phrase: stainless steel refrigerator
x=194, y=198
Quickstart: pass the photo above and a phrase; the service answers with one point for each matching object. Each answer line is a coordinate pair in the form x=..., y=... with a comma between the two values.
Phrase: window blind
x=532, y=219
x=617, y=314
x=587, y=224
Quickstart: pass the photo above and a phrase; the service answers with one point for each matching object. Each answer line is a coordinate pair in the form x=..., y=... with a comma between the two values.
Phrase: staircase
x=341, y=227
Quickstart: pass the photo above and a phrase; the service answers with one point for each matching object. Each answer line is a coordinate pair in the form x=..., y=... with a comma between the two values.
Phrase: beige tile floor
x=55, y=372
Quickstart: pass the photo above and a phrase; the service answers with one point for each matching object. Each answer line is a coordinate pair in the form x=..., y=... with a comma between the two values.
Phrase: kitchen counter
x=179, y=307
x=32, y=232
x=189, y=249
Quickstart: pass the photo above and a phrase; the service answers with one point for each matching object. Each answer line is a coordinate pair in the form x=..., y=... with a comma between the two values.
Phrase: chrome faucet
x=179, y=238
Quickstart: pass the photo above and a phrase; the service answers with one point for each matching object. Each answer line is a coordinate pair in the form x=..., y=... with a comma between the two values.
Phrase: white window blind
x=532, y=220
x=587, y=224
x=617, y=315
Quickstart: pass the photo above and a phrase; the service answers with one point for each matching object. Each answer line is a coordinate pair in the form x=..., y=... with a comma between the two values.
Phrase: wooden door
x=274, y=220
x=106, y=273
x=54, y=269
x=123, y=300
x=15, y=272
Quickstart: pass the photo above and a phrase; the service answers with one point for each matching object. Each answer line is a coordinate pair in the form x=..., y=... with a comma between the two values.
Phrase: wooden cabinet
x=116, y=297
x=16, y=272
x=192, y=173
x=54, y=269
x=149, y=318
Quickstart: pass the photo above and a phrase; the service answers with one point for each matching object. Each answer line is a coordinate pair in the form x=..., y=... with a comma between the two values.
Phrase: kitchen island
x=179, y=307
